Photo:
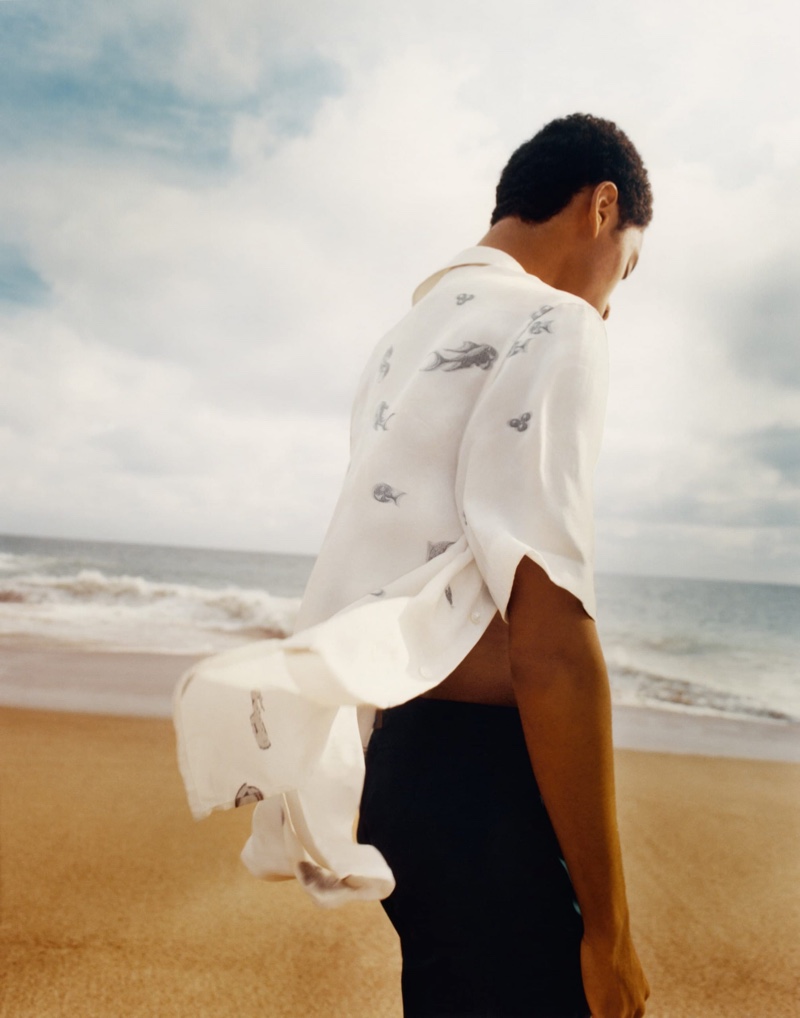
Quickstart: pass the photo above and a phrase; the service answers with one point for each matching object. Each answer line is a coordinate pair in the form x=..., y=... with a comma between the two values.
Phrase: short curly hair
x=567, y=155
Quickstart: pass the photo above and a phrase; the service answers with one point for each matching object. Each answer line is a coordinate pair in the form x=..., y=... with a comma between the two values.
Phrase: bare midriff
x=484, y=676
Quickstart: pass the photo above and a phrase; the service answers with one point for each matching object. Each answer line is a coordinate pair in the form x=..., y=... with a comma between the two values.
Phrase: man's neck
x=539, y=248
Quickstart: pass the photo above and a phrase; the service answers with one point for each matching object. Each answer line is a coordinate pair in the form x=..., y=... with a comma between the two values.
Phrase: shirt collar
x=479, y=255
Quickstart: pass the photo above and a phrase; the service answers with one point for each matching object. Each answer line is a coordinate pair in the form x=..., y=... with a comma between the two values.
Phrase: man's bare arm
x=561, y=687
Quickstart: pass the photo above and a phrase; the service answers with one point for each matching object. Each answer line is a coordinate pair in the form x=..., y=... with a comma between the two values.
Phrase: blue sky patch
x=20, y=283
x=118, y=95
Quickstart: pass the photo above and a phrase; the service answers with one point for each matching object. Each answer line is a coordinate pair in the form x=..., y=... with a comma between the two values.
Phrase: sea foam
x=122, y=612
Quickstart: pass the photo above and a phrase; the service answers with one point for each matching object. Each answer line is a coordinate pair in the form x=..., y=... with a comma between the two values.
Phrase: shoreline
x=52, y=676
x=55, y=676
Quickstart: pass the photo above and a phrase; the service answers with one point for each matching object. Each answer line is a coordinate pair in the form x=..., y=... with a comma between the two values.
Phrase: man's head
x=574, y=202
x=565, y=157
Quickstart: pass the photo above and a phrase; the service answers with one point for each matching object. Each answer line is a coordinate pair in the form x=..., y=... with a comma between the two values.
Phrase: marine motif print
x=257, y=720
x=438, y=548
x=536, y=328
x=520, y=423
x=462, y=298
x=247, y=793
x=537, y=325
x=383, y=367
x=386, y=493
x=312, y=875
x=468, y=355
x=381, y=420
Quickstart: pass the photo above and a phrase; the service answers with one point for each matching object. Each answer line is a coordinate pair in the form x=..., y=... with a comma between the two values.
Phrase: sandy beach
x=116, y=903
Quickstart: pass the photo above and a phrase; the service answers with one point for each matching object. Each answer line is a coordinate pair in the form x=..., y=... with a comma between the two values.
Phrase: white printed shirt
x=475, y=431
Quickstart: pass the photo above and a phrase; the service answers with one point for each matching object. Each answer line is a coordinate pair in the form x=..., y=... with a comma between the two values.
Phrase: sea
x=689, y=646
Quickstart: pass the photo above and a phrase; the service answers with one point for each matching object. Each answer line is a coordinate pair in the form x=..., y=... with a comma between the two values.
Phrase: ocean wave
x=114, y=609
x=636, y=687
x=11, y=562
x=130, y=612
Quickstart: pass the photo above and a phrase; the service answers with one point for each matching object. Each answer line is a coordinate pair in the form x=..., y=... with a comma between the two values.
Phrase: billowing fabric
x=475, y=431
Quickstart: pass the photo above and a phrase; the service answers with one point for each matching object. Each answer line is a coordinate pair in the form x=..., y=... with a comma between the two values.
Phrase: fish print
x=438, y=548
x=462, y=298
x=257, y=720
x=247, y=793
x=386, y=493
x=381, y=420
x=536, y=328
x=468, y=355
x=315, y=876
x=520, y=423
x=383, y=367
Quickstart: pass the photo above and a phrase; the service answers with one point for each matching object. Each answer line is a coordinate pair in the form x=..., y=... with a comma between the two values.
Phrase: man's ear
x=604, y=207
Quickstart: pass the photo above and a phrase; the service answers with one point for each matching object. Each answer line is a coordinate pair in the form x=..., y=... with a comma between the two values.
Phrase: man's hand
x=613, y=980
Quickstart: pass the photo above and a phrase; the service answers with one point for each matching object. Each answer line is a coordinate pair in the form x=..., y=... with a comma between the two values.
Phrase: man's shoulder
x=484, y=280
x=497, y=304
x=522, y=291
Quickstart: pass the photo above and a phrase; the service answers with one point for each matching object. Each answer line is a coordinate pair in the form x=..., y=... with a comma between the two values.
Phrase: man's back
x=454, y=413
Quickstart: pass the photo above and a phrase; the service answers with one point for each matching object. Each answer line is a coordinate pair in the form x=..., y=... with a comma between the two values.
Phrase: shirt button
x=425, y=672
x=475, y=617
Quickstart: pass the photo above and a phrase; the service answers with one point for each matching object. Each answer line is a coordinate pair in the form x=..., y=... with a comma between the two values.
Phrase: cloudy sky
x=211, y=211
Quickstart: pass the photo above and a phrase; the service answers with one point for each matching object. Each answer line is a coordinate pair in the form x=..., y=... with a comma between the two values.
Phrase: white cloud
x=189, y=378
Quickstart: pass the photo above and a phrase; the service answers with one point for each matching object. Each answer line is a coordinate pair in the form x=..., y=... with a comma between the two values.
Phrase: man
x=454, y=589
x=572, y=205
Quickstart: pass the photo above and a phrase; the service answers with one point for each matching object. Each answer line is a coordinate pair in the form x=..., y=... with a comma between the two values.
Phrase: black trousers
x=484, y=906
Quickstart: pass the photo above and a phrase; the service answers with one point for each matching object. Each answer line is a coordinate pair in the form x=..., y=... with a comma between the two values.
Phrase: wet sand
x=116, y=903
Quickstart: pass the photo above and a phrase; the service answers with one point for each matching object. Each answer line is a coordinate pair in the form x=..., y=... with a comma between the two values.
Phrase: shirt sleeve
x=527, y=458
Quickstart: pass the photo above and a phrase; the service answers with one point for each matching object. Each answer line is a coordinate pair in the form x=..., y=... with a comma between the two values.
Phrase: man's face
x=597, y=254
x=615, y=257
